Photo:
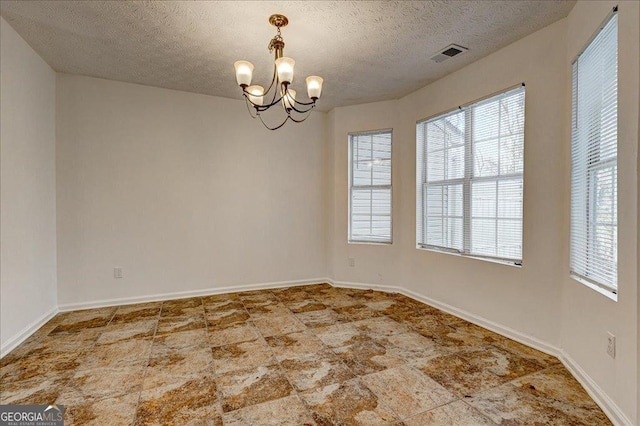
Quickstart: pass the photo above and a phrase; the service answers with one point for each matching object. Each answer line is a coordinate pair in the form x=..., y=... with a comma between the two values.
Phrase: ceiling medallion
x=261, y=99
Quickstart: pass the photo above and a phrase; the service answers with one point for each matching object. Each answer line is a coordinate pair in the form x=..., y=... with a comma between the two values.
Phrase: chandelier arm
x=301, y=120
x=277, y=127
x=302, y=111
x=273, y=79
x=247, y=102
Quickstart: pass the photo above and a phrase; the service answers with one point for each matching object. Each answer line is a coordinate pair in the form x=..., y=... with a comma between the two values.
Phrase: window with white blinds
x=594, y=160
x=469, y=179
x=370, y=187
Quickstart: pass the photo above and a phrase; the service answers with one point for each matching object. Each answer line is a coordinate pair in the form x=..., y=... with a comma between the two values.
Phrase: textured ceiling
x=366, y=51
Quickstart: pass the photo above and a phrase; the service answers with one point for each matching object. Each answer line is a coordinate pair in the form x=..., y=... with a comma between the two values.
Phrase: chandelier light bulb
x=244, y=71
x=314, y=86
x=256, y=94
x=289, y=98
x=285, y=67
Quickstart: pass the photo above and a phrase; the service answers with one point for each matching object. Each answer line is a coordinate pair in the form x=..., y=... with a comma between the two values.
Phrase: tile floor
x=295, y=356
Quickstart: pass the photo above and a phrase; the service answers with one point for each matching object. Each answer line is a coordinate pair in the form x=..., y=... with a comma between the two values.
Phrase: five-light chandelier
x=260, y=100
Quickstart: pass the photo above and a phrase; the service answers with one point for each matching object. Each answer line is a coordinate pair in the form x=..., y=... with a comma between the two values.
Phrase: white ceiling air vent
x=448, y=52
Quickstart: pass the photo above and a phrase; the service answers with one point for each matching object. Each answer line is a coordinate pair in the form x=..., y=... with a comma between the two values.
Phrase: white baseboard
x=24, y=334
x=186, y=294
x=608, y=406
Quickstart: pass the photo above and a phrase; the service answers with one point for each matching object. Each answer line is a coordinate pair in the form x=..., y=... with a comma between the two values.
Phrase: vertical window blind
x=470, y=179
x=370, y=187
x=594, y=155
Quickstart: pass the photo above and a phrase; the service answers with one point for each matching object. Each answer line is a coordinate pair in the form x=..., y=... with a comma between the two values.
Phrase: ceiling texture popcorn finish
x=366, y=51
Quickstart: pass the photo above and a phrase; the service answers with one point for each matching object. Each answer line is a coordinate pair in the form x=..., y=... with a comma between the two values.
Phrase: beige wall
x=27, y=188
x=586, y=314
x=183, y=191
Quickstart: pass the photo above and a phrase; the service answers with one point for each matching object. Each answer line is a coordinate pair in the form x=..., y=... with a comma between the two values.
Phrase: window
x=594, y=155
x=370, y=187
x=469, y=179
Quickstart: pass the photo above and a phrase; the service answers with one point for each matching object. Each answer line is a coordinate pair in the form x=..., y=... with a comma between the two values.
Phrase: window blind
x=470, y=178
x=594, y=154
x=370, y=187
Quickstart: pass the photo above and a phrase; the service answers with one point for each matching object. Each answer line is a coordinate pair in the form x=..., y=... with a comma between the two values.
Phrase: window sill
x=372, y=243
x=605, y=292
x=469, y=256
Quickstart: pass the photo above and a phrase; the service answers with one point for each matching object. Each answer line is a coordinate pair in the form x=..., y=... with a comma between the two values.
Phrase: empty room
x=319, y=212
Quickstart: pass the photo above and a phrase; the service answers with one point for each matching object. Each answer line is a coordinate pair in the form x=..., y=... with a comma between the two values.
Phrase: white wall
x=27, y=188
x=183, y=191
x=586, y=314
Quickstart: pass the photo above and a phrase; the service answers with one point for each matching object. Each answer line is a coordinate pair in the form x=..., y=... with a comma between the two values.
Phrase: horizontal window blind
x=470, y=178
x=370, y=187
x=594, y=154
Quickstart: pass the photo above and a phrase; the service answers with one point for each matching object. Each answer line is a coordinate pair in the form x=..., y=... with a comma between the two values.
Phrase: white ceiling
x=366, y=51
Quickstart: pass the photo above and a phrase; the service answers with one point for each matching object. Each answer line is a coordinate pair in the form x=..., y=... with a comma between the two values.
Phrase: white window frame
x=350, y=239
x=466, y=181
x=589, y=213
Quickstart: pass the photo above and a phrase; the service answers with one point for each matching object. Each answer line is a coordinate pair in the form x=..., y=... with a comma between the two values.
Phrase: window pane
x=370, y=204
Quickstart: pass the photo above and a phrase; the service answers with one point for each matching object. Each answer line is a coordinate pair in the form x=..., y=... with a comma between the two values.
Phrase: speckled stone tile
x=35, y=391
x=509, y=404
x=138, y=312
x=182, y=307
x=323, y=318
x=242, y=332
x=348, y=403
x=407, y=391
x=239, y=356
x=307, y=305
x=459, y=376
x=227, y=318
x=119, y=411
x=339, y=335
x=168, y=343
x=456, y=413
x=527, y=352
x=294, y=345
x=357, y=312
x=382, y=326
x=53, y=365
x=243, y=388
x=100, y=383
x=270, y=308
x=369, y=357
x=185, y=401
x=274, y=325
x=175, y=324
x=300, y=355
x=119, y=354
x=500, y=362
x=187, y=363
x=120, y=332
x=71, y=322
x=288, y=411
x=316, y=370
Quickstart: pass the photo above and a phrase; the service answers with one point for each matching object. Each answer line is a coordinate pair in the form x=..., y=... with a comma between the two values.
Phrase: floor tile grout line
x=213, y=361
x=146, y=367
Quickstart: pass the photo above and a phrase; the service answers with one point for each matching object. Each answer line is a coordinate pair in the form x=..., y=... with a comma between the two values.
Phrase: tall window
x=469, y=172
x=370, y=187
x=594, y=165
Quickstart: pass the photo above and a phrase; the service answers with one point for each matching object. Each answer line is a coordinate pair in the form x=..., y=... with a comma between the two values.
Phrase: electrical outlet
x=352, y=262
x=611, y=345
x=117, y=273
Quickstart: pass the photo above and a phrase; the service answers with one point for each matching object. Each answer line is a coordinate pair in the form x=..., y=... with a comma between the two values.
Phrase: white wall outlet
x=352, y=262
x=117, y=273
x=611, y=345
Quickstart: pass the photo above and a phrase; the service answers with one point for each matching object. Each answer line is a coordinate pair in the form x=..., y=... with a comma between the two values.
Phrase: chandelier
x=259, y=100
